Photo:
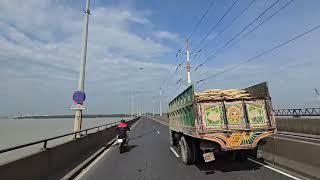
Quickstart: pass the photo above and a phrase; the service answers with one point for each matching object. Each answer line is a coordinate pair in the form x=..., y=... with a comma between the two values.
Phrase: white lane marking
x=174, y=152
x=94, y=162
x=158, y=121
x=135, y=124
x=158, y=132
x=99, y=157
x=274, y=169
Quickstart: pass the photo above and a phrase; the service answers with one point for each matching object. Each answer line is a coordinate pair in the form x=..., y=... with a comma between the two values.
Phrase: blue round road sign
x=79, y=97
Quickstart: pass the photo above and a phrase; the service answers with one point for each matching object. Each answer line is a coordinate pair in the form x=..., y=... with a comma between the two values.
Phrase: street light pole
x=132, y=100
x=78, y=114
x=132, y=104
x=153, y=106
x=160, y=102
x=137, y=110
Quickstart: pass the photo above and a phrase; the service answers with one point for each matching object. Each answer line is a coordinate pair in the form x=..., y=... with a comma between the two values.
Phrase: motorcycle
x=123, y=141
x=122, y=144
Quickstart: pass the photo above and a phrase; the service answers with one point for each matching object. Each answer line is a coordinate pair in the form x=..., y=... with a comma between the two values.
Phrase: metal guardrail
x=297, y=112
x=45, y=141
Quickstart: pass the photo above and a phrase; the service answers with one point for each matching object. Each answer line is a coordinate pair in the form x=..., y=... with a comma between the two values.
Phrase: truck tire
x=171, y=138
x=196, y=152
x=186, y=151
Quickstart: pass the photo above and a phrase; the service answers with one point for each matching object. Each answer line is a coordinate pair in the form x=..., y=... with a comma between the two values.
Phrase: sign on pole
x=79, y=97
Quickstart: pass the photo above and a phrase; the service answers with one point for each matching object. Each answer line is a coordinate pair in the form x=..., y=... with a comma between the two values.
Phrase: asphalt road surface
x=149, y=158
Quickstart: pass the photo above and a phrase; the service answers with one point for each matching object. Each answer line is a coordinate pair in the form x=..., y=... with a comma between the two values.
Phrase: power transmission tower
x=188, y=62
x=188, y=66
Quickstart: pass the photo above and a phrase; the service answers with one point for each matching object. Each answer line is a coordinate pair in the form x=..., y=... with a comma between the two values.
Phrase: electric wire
x=232, y=21
x=255, y=28
x=261, y=14
x=259, y=55
x=202, y=17
x=216, y=25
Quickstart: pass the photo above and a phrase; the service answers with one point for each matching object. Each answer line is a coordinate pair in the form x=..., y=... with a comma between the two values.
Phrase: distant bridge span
x=297, y=112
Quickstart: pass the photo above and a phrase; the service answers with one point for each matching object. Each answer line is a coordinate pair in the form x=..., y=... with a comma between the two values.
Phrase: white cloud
x=167, y=35
x=40, y=43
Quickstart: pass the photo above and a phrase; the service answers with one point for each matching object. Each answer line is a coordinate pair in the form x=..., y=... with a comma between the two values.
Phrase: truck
x=234, y=120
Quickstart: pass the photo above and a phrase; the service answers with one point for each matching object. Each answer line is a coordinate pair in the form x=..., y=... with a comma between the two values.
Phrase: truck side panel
x=181, y=112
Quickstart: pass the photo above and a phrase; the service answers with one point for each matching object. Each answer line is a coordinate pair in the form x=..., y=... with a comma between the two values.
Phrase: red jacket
x=122, y=129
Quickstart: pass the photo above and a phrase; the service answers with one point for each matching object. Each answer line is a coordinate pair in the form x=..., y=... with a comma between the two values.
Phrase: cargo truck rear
x=236, y=120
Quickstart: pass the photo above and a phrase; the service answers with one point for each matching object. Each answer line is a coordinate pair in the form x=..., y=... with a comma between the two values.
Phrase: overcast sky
x=40, y=42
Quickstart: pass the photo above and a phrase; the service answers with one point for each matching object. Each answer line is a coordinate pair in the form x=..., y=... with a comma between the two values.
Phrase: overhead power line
x=215, y=54
x=259, y=55
x=215, y=26
x=202, y=17
x=227, y=27
x=255, y=28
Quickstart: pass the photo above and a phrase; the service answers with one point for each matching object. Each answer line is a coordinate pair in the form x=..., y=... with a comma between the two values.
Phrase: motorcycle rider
x=122, y=129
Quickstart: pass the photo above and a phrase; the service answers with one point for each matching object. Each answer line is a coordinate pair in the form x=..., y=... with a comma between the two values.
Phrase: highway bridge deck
x=149, y=158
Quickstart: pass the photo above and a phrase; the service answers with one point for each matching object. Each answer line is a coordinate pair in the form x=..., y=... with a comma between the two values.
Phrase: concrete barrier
x=55, y=162
x=164, y=118
x=295, y=155
x=306, y=125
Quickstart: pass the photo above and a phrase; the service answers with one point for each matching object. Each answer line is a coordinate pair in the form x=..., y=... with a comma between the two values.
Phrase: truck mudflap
x=237, y=140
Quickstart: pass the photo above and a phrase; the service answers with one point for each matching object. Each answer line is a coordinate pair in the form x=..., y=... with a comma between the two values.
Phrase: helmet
x=123, y=121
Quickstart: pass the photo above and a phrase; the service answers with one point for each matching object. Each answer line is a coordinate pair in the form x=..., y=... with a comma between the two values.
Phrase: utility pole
x=137, y=110
x=153, y=106
x=78, y=114
x=188, y=62
x=132, y=104
x=188, y=66
x=160, y=102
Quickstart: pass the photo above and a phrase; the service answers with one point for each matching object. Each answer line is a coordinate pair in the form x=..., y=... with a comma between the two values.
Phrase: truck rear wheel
x=196, y=152
x=186, y=151
x=171, y=138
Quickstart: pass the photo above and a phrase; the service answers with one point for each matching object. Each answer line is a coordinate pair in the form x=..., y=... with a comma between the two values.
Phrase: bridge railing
x=297, y=112
x=45, y=141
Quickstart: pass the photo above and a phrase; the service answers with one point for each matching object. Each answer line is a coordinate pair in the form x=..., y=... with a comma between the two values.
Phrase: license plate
x=208, y=157
x=120, y=140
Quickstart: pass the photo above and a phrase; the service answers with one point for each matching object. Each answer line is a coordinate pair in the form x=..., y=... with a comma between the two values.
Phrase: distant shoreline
x=70, y=116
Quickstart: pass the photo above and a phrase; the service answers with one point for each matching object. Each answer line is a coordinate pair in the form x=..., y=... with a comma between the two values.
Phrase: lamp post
x=160, y=102
x=140, y=68
x=78, y=114
x=153, y=106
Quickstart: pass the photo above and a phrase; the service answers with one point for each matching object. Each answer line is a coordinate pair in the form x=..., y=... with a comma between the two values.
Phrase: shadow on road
x=223, y=163
x=142, y=135
x=129, y=147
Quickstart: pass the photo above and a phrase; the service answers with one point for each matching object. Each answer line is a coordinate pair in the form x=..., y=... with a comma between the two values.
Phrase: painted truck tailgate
x=235, y=115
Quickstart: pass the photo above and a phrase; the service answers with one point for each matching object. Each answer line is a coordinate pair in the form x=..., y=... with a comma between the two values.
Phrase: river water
x=15, y=132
